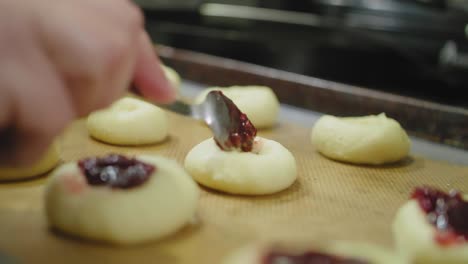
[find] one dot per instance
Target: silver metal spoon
(216, 111)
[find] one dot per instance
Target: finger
(126, 43)
(118, 59)
(98, 57)
(73, 52)
(118, 79)
(149, 77)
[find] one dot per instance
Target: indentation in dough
(257, 145)
(129, 121)
(129, 107)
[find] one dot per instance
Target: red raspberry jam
(241, 131)
(116, 171)
(447, 212)
(308, 257)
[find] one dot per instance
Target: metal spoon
(215, 111)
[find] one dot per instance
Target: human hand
(61, 59)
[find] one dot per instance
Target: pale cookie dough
(159, 207)
(259, 103)
(374, 139)
(129, 121)
(415, 238)
(172, 76)
(269, 168)
(50, 159)
(256, 253)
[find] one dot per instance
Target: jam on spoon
(239, 131)
(116, 171)
(447, 212)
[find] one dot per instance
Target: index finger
(149, 77)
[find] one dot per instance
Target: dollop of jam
(447, 212)
(308, 257)
(116, 171)
(241, 131)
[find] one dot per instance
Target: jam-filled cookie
(121, 200)
(323, 253)
(432, 227)
(244, 163)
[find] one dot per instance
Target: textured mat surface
(330, 200)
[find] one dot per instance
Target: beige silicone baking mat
(330, 200)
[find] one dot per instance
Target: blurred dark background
(417, 48)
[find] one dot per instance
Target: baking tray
(429, 120)
(329, 201)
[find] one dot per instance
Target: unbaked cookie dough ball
(129, 121)
(259, 103)
(172, 76)
(432, 227)
(50, 159)
(267, 169)
(121, 200)
(374, 139)
(337, 252)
